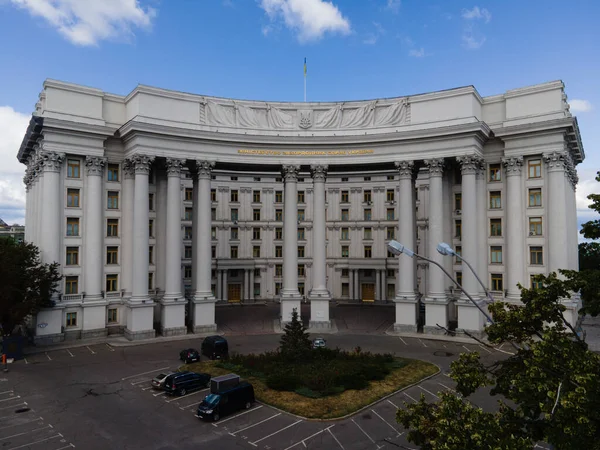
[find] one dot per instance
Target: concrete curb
(435, 337)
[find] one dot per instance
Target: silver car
(319, 343)
(158, 382)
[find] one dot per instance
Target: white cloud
(471, 42)
(372, 38)
(12, 190)
(393, 5)
(580, 106)
(310, 19)
(477, 13)
(417, 53)
(86, 22)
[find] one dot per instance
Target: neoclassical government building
(160, 205)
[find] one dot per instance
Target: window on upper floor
(535, 197)
(278, 196)
(345, 233)
(189, 194)
(72, 226)
(495, 200)
(496, 254)
(256, 233)
(112, 200)
(112, 172)
(496, 227)
(278, 233)
(495, 172)
(345, 197)
(534, 168)
(72, 198)
(233, 196)
(73, 168)
(389, 195)
(368, 233)
(300, 196)
(112, 227)
(535, 226)
(279, 215)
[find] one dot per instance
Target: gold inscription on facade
(306, 152)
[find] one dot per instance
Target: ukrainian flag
(304, 66)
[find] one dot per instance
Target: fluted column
(52, 213)
(290, 296)
(436, 302)
(482, 226)
(319, 296)
(515, 256)
(225, 286)
(406, 299)
(556, 223)
(377, 285)
(251, 287)
(204, 300)
(126, 227)
(219, 284)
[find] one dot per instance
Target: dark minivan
(215, 406)
(215, 347)
(183, 382)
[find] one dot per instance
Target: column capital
(51, 161)
(513, 165)
(174, 167)
(481, 170)
(128, 168)
(556, 161)
(205, 168)
(95, 165)
(142, 163)
(436, 166)
(469, 164)
(406, 169)
(319, 172)
(290, 172)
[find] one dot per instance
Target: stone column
(406, 299)
(350, 284)
(384, 284)
(219, 284)
(245, 295)
(94, 304)
(513, 201)
(356, 285)
(469, 317)
(290, 296)
(377, 285)
(172, 315)
(482, 227)
(319, 296)
(251, 287)
(126, 227)
(555, 202)
(436, 302)
(225, 286)
(204, 301)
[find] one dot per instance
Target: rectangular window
(301, 271)
(278, 251)
(458, 251)
(278, 234)
(367, 178)
(367, 198)
(112, 200)
(213, 195)
(112, 227)
(213, 252)
(497, 284)
(112, 282)
(390, 233)
(495, 200)
(277, 288)
(535, 168)
(213, 214)
(72, 226)
(151, 201)
(278, 270)
(189, 194)
(234, 214)
(73, 166)
(495, 172)
(256, 214)
(256, 196)
(345, 289)
(233, 196)
(112, 315)
(256, 251)
(390, 214)
(278, 215)
(368, 251)
(345, 215)
(495, 227)
(300, 214)
(151, 254)
(256, 178)
(233, 252)
(188, 214)
(344, 179)
(71, 319)
(458, 276)
(187, 233)
(536, 256)
(300, 196)
(233, 178)
(300, 251)
(345, 233)
(151, 228)
(345, 197)
(301, 288)
(71, 285)
(534, 283)
(458, 229)
(389, 195)
(345, 251)
(390, 273)
(112, 255)
(367, 214)
(458, 201)
(345, 273)
(535, 197)
(187, 252)
(73, 198)
(72, 256)
(496, 254)
(256, 233)
(278, 196)
(368, 233)
(535, 226)
(150, 281)
(234, 234)
(301, 234)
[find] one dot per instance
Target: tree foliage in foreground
(26, 285)
(295, 341)
(548, 390)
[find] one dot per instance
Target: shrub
(306, 392)
(283, 381)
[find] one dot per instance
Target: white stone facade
(160, 204)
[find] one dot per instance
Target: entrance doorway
(368, 292)
(234, 293)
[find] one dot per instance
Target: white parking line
(187, 406)
(109, 347)
(387, 423)
(68, 446)
(23, 423)
(26, 362)
(48, 356)
(159, 394)
(72, 355)
(485, 348)
(310, 437)
(142, 381)
(258, 423)
(14, 406)
(237, 415)
(26, 432)
(144, 373)
(6, 392)
(364, 432)
(424, 345)
(429, 392)
(336, 439)
(466, 348)
(415, 401)
(403, 341)
(36, 442)
(446, 387)
(273, 434)
(147, 387)
(10, 398)
(185, 396)
(91, 351)
(395, 406)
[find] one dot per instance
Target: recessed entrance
(234, 292)
(368, 292)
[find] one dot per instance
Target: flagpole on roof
(304, 79)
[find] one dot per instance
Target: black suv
(189, 355)
(183, 382)
(215, 347)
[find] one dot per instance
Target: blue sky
(356, 49)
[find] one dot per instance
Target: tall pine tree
(295, 341)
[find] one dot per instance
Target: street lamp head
(445, 249)
(397, 248)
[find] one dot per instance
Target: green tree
(591, 229)
(295, 341)
(549, 389)
(26, 285)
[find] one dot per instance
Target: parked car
(183, 382)
(215, 347)
(319, 343)
(158, 382)
(189, 355)
(215, 406)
